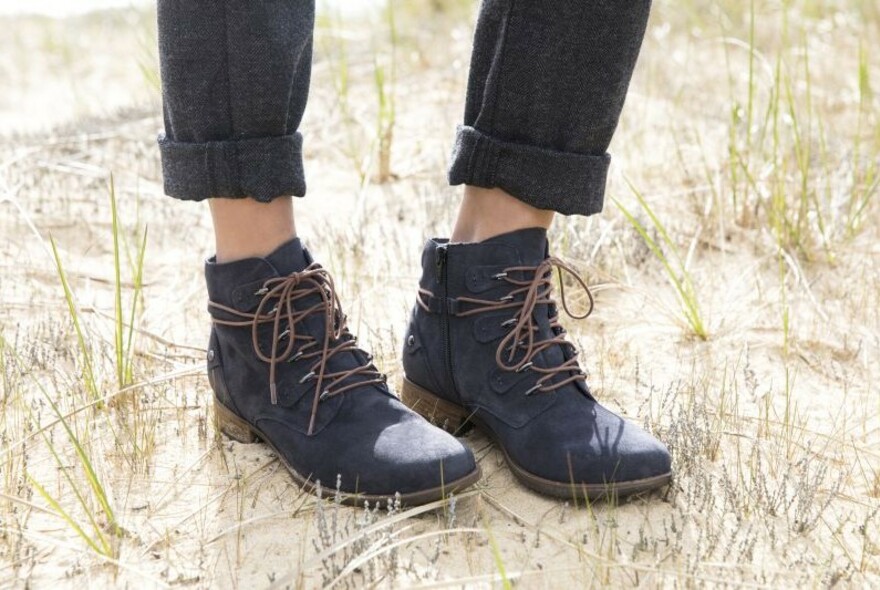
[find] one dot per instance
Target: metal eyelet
(525, 367)
(295, 357)
(506, 298)
(307, 377)
(510, 322)
(324, 395)
(499, 276)
(260, 292)
(210, 355)
(411, 340)
(284, 334)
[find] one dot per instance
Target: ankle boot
(484, 347)
(285, 370)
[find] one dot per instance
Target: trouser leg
(235, 79)
(547, 83)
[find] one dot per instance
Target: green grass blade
(91, 476)
(136, 296)
(88, 370)
(496, 557)
(117, 276)
(679, 278)
(64, 515)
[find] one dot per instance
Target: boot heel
(231, 425)
(439, 412)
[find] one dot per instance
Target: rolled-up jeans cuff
(565, 182)
(262, 168)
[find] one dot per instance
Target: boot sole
(238, 429)
(456, 419)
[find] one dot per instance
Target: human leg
(485, 345)
(547, 84)
(234, 222)
(235, 80)
(283, 366)
(488, 212)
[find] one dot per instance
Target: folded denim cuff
(263, 168)
(565, 182)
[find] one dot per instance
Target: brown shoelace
(282, 293)
(536, 291)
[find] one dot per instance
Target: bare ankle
(486, 213)
(245, 228)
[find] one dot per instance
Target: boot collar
(235, 284)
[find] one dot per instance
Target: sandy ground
(773, 419)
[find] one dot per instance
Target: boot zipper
(443, 278)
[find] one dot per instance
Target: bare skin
(486, 213)
(245, 228)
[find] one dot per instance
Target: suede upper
(365, 435)
(562, 435)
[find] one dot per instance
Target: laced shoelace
(282, 293)
(536, 291)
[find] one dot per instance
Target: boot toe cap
(639, 456)
(398, 452)
(616, 451)
(419, 456)
(599, 449)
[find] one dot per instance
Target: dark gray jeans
(547, 83)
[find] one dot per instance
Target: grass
(386, 80)
(101, 530)
(781, 162)
(96, 506)
(745, 191)
(88, 370)
(368, 129)
(676, 269)
(497, 558)
(91, 497)
(125, 332)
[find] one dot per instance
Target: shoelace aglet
(273, 393)
(525, 367)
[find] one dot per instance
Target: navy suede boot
(484, 346)
(286, 370)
